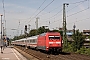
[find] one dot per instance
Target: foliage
(32, 32)
(78, 40)
(55, 30)
(84, 50)
(81, 50)
(42, 30)
(61, 32)
(89, 36)
(69, 48)
(18, 37)
(87, 51)
(15, 38)
(75, 46)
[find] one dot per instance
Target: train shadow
(65, 53)
(61, 53)
(55, 53)
(51, 53)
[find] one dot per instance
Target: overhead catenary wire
(45, 13)
(52, 10)
(68, 10)
(36, 11)
(77, 6)
(74, 7)
(38, 8)
(79, 20)
(77, 12)
(54, 15)
(42, 10)
(45, 7)
(78, 2)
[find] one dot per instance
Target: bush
(81, 51)
(87, 51)
(84, 50)
(69, 48)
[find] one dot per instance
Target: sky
(18, 13)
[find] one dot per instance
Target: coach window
(29, 41)
(33, 40)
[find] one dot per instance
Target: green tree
(15, 38)
(78, 40)
(89, 36)
(42, 30)
(32, 32)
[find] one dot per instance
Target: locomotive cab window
(57, 37)
(54, 37)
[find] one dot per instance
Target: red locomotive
(50, 41)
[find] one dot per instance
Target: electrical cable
(78, 2)
(70, 9)
(42, 9)
(36, 10)
(77, 12)
(76, 6)
(54, 15)
(79, 20)
(39, 7)
(45, 7)
(51, 10)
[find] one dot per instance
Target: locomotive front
(54, 42)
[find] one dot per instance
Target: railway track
(43, 56)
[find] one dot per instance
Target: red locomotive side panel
(41, 43)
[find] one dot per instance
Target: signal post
(25, 34)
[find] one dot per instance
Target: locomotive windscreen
(54, 37)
